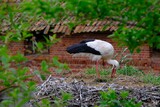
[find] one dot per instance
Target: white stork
(95, 49)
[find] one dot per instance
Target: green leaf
(66, 96)
(39, 46)
(55, 61)
(6, 103)
(124, 94)
(23, 102)
(18, 58)
(45, 103)
(138, 50)
(44, 66)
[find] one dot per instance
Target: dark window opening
(30, 44)
(155, 52)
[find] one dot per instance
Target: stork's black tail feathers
(82, 48)
(76, 48)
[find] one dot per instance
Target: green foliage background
(145, 15)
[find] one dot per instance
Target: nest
(88, 96)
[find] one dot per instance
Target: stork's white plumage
(95, 49)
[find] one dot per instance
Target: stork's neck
(113, 62)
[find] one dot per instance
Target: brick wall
(141, 60)
(16, 47)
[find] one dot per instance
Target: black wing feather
(82, 48)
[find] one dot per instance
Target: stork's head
(115, 63)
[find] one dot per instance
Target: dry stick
(80, 96)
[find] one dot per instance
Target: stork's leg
(98, 74)
(103, 63)
(113, 72)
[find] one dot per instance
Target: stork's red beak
(113, 74)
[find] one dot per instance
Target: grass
(92, 71)
(103, 73)
(130, 71)
(126, 70)
(148, 78)
(151, 78)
